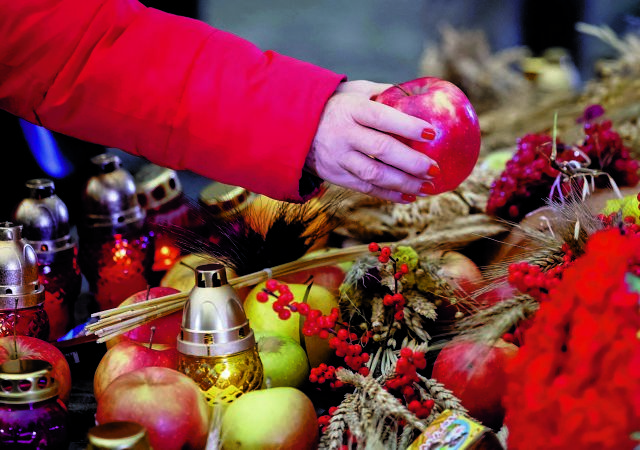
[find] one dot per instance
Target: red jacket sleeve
(173, 90)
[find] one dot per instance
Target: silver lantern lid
(44, 218)
(214, 322)
(19, 284)
(109, 197)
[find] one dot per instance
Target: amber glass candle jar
(31, 415)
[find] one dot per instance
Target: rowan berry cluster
(406, 375)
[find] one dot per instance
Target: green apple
(262, 317)
(278, 418)
(496, 161)
(285, 362)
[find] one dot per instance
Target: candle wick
(153, 331)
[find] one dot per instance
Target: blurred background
(378, 40)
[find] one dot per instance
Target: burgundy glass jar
(116, 248)
(45, 226)
(22, 295)
(31, 415)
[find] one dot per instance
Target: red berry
(373, 247)
(262, 297)
(272, 285)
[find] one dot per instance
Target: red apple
(278, 418)
(33, 348)
(456, 145)
(169, 404)
(167, 328)
(495, 292)
(127, 356)
(475, 373)
(330, 277)
(462, 274)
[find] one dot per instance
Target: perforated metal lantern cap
(118, 435)
(109, 197)
(24, 381)
(214, 322)
(19, 285)
(44, 218)
(156, 186)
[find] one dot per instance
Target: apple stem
(153, 331)
(148, 291)
(405, 92)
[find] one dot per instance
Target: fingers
(390, 120)
(394, 153)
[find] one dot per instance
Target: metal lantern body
(121, 435)
(159, 192)
(31, 416)
(115, 247)
(21, 293)
(216, 346)
(45, 226)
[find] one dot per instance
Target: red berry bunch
(325, 374)
(323, 421)
(532, 280)
(527, 178)
(398, 302)
(385, 252)
(608, 153)
(344, 343)
(628, 224)
(406, 374)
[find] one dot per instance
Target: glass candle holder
(216, 347)
(22, 297)
(116, 248)
(31, 415)
(45, 226)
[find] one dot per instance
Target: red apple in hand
(33, 348)
(456, 144)
(127, 356)
(475, 373)
(166, 327)
(169, 404)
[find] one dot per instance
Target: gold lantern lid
(19, 284)
(118, 435)
(24, 381)
(156, 186)
(222, 199)
(214, 322)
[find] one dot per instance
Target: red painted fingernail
(426, 188)
(429, 134)
(434, 170)
(408, 197)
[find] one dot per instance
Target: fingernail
(408, 198)
(434, 170)
(427, 188)
(429, 134)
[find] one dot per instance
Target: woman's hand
(352, 148)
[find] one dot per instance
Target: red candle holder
(22, 295)
(45, 226)
(116, 248)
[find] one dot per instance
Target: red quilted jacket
(170, 89)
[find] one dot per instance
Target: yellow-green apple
(284, 361)
(456, 142)
(476, 373)
(169, 404)
(262, 317)
(127, 356)
(166, 328)
(26, 347)
(280, 418)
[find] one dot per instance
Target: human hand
(352, 147)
